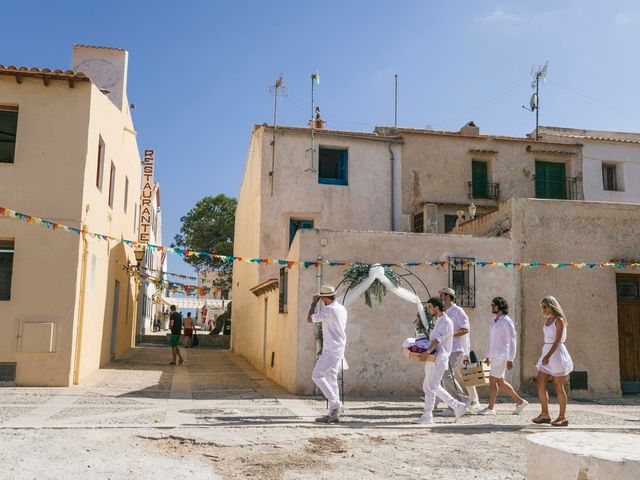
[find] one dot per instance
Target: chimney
(470, 130)
(317, 123)
(107, 69)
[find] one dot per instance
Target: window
(462, 278)
(609, 177)
(8, 131)
(297, 224)
(332, 166)
(282, 289)
(6, 269)
(112, 184)
(126, 193)
(100, 167)
(418, 223)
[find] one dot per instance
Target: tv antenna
(315, 78)
(276, 90)
(534, 102)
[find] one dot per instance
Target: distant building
(68, 153)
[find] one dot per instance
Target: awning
(185, 302)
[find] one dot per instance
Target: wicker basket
(476, 375)
(409, 355)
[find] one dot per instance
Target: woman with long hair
(555, 361)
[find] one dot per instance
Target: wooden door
(628, 288)
(479, 179)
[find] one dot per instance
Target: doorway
(628, 293)
(114, 319)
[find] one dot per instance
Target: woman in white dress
(555, 361)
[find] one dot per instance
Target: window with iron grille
(282, 289)
(462, 278)
(418, 223)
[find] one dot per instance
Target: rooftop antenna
(315, 78)
(534, 102)
(276, 90)
(395, 117)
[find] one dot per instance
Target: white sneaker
(521, 407)
(474, 407)
(462, 409)
(446, 413)
(487, 411)
(424, 420)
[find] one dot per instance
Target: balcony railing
(490, 191)
(557, 189)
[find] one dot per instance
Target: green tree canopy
(208, 227)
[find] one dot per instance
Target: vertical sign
(146, 198)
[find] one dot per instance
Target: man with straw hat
(333, 317)
(459, 351)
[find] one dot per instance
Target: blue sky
(199, 71)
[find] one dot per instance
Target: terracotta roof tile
(44, 73)
(99, 47)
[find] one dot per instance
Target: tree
(208, 227)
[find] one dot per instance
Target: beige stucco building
(67, 305)
(361, 205)
(445, 172)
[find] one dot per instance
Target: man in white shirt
(333, 317)
(459, 351)
(502, 352)
(441, 342)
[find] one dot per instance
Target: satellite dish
(533, 103)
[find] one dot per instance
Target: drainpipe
(83, 275)
(318, 286)
(393, 161)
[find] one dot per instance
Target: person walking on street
(333, 317)
(460, 350)
(175, 325)
(188, 331)
(555, 361)
(441, 344)
(502, 352)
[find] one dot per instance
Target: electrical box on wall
(37, 338)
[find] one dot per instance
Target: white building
(611, 162)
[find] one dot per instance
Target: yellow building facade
(71, 156)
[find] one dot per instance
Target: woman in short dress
(555, 361)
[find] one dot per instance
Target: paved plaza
(216, 417)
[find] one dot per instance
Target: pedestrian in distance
(554, 363)
(502, 353)
(333, 317)
(188, 331)
(452, 379)
(175, 325)
(441, 345)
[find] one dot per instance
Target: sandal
(542, 418)
(560, 422)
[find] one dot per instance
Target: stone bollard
(576, 455)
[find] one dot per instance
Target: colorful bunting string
(620, 264)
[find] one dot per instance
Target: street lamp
(472, 210)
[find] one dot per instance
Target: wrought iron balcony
(490, 191)
(566, 189)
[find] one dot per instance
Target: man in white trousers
(452, 379)
(502, 353)
(441, 343)
(333, 317)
